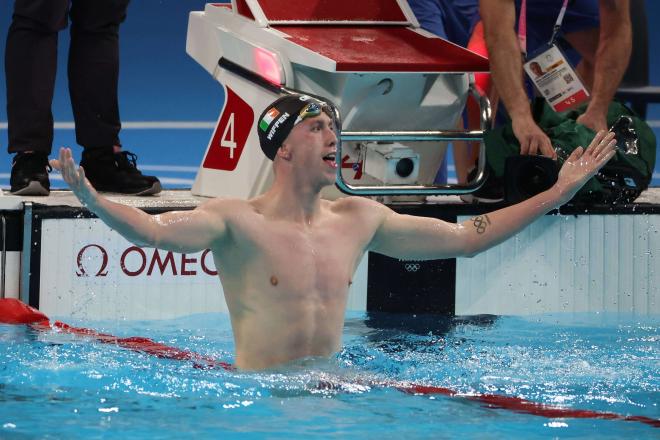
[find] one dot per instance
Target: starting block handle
(418, 136)
(425, 135)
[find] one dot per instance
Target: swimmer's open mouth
(330, 159)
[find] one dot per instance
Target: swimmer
(287, 257)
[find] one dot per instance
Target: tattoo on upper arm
(481, 222)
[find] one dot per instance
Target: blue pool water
(55, 385)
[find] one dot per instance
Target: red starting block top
(331, 10)
(362, 35)
(384, 49)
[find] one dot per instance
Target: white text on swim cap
(277, 123)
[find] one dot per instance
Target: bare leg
(586, 44)
(461, 160)
(466, 154)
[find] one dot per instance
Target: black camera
(526, 176)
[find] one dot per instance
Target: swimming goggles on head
(310, 110)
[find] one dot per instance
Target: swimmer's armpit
(481, 223)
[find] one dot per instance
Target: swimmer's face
(312, 146)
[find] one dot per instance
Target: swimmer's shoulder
(358, 206)
(225, 206)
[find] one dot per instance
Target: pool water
(58, 385)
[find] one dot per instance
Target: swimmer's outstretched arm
(422, 238)
(179, 231)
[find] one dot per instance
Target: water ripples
(589, 364)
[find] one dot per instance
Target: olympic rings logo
(412, 267)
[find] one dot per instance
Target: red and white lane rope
(13, 311)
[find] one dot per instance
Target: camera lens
(405, 167)
(533, 180)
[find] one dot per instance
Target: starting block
(399, 89)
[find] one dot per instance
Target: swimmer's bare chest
(286, 285)
(280, 262)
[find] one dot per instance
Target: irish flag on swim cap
(278, 119)
(268, 118)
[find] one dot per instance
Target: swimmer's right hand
(583, 164)
(74, 177)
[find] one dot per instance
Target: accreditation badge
(556, 80)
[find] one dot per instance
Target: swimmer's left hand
(584, 164)
(74, 177)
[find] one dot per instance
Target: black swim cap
(279, 118)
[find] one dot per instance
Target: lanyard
(560, 18)
(522, 25)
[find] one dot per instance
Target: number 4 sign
(230, 134)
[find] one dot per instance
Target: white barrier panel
(587, 263)
(89, 271)
(11, 274)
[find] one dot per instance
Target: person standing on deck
(93, 71)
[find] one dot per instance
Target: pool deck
(647, 202)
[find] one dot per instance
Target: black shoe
(29, 174)
(117, 172)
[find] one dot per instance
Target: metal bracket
(439, 135)
(27, 253)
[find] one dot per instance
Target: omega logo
(81, 268)
(136, 261)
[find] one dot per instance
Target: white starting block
(391, 81)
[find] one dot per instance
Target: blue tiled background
(160, 83)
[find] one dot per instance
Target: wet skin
(286, 258)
